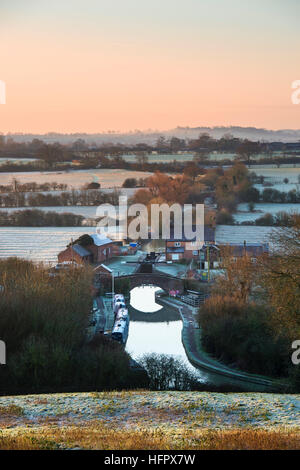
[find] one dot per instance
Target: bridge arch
(163, 281)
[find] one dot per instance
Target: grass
(26, 443)
(97, 436)
(138, 420)
(11, 410)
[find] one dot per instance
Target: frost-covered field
(37, 244)
(239, 234)
(43, 243)
(260, 209)
(107, 178)
(16, 160)
(282, 187)
(276, 176)
(181, 157)
(164, 410)
(150, 420)
(271, 171)
(166, 158)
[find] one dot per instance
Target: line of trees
(228, 143)
(38, 218)
(56, 155)
(82, 197)
(32, 186)
(273, 195)
(280, 219)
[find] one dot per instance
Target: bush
(239, 334)
(273, 195)
(224, 218)
(251, 206)
(130, 183)
(83, 240)
(266, 220)
(168, 373)
(92, 185)
(250, 195)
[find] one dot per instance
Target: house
(183, 248)
(211, 254)
(237, 250)
(102, 276)
(88, 249)
(102, 248)
(103, 270)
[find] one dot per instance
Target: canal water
(155, 329)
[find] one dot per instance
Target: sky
(99, 65)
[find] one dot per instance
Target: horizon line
(150, 131)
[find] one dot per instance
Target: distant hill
(252, 133)
(150, 136)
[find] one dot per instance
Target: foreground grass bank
(150, 420)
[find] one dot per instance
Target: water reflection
(160, 332)
(157, 332)
(143, 299)
(160, 338)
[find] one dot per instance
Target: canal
(155, 329)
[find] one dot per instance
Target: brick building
(96, 249)
(181, 248)
(211, 254)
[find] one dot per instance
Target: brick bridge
(163, 281)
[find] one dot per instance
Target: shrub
(130, 183)
(266, 219)
(168, 373)
(250, 195)
(251, 206)
(224, 218)
(240, 334)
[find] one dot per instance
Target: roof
(106, 268)
(172, 249)
(209, 235)
(80, 250)
(100, 240)
(210, 246)
(254, 249)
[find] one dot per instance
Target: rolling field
(150, 420)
